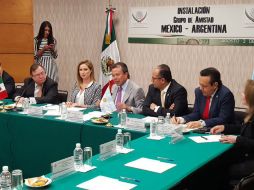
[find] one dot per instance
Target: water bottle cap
(124, 110)
(5, 168)
(78, 145)
(119, 131)
(168, 114)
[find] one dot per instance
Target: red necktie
(206, 110)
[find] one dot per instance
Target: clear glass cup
(127, 140)
(25, 105)
(160, 126)
(17, 179)
(153, 129)
(63, 110)
(88, 154)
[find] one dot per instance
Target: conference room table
(186, 154)
(32, 143)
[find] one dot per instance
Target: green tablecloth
(31, 143)
(187, 155)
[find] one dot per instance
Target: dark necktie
(206, 110)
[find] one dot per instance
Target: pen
(131, 179)
(204, 137)
(163, 158)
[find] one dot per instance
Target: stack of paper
(105, 183)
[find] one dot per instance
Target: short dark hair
(214, 75)
(165, 72)
(34, 67)
(123, 67)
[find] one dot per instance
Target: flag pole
(109, 8)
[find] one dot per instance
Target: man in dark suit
(39, 88)
(214, 102)
(8, 82)
(126, 94)
(165, 95)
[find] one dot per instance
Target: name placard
(35, 111)
(107, 150)
(135, 124)
(62, 167)
(74, 116)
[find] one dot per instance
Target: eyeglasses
(156, 78)
(39, 74)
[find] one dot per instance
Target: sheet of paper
(52, 113)
(150, 165)
(149, 119)
(85, 168)
(75, 109)
(206, 138)
(125, 150)
(105, 183)
(157, 138)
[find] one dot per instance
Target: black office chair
(240, 114)
(62, 96)
(246, 183)
(18, 88)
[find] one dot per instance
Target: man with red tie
(214, 102)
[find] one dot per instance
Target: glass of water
(88, 154)
(17, 180)
(127, 140)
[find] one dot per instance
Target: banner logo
(139, 16)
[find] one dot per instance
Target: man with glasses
(165, 95)
(214, 102)
(38, 88)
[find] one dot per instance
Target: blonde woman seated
(86, 92)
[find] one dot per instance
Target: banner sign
(193, 25)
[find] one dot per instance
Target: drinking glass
(63, 110)
(127, 140)
(88, 156)
(153, 128)
(17, 180)
(160, 126)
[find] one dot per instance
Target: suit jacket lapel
(127, 92)
(167, 96)
(213, 104)
(114, 92)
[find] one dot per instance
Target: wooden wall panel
(16, 11)
(17, 65)
(20, 38)
(16, 37)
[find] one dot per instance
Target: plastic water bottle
(168, 118)
(119, 140)
(78, 157)
(123, 118)
(5, 179)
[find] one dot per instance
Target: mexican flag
(110, 53)
(3, 92)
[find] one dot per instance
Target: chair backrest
(62, 96)
(240, 114)
(246, 183)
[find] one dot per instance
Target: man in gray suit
(125, 93)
